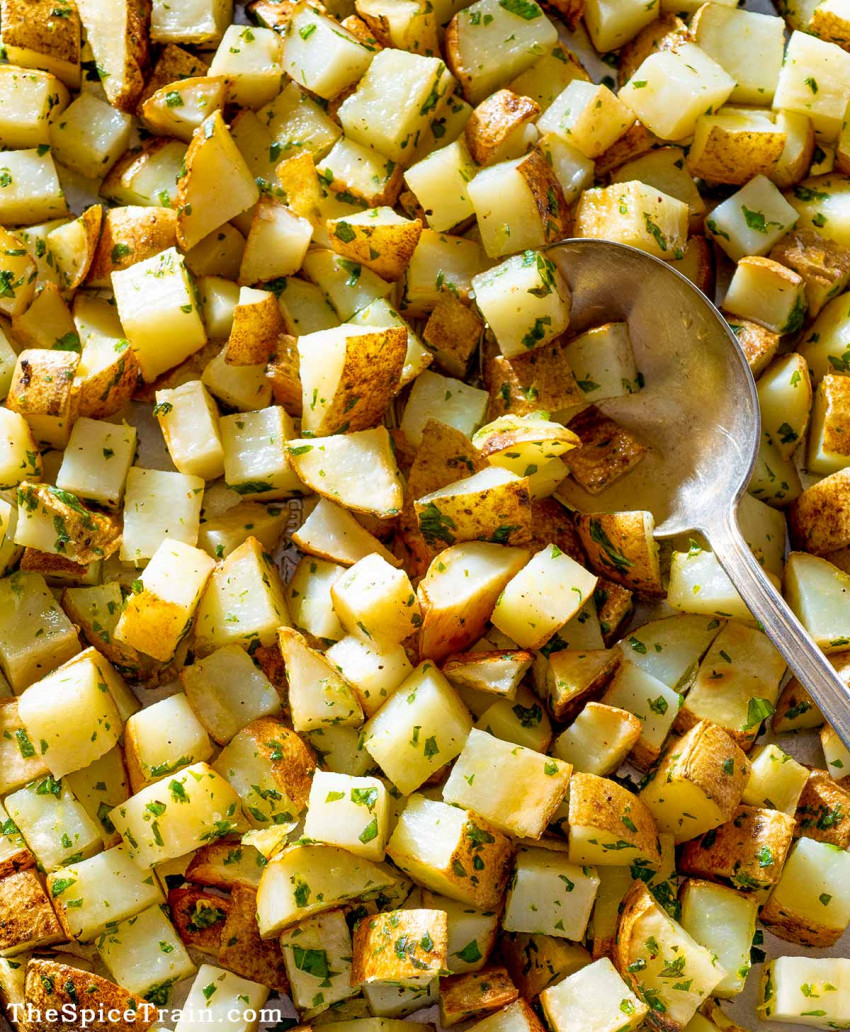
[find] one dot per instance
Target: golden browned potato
(242, 950)
(494, 121)
(734, 147)
(27, 918)
(609, 825)
(223, 863)
(54, 990)
(199, 917)
(174, 63)
(274, 14)
(34, 37)
(607, 452)
(377, 238)
(43, 392)
(823, 264)
(82, 535)
(537, 961)
(129, 235)
(823, 810)
(74, 246)
(300, 184)
(758, 344)
(474, 994)
(665, 33)
(614, 607)
(377, 957)
(749, 850)
(577, 676)
(819, 520)
(621, 547)
(119, 39)
(257, 326)
(283, 373)
(634, 142)
(542, 379)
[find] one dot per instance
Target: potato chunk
(418, 939)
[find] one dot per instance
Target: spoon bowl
(698, 415)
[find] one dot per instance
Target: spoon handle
(812, 668)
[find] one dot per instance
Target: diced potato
(307, 879)
(331, 532)
(20, 458)
(776, 780)
(471, 932)
(501, 295)
(638, 692)
(767, 293)
(159, 312)
(440, 264)
(377, 601)
(608, 826)
(90, 136)
(99, 787)
(159, 505)
(594, 999)
(349, 812)
(518, 204)
(699, 584)
(752, 220)
(249, 59)
(810, 82)
(320, 55)
(392, 100)
(439, 183)
(318, 695)
(297, 123)
(733, 146)
(56, 828)
(450, 401)
(96, 461)
(373, 672)
(93, 894)
(216, 186)
(542, 597)
(29, 921)
(699, 783)
(793, 988)
(737, 683)
(317, 953)
(424, 931)
(785, 400)
(357, 470)
(145, 955)
(648, 942)
(635, 214)
(27, 99)
(827, 452)
(810, 904)
(421, 727)
(55, 521)
(464, 580)
(443, 847)
(587, 117)
(148, 177)
(193, 22)
(35, 635)
(276, 244)
(33, 192)
(27, 44)
(310, 602)
(488, 45)
(158, 617)
(178, 108)
(222, 999)
(747, 45)
(550, 895)
(724, 922)
(151, 753)
(549, 75)
(818, 593)
(700, 84)
(72, 715)
(188, 418)
(254, 453)
(44, 392)
(749, 850)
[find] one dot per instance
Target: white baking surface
(805, 746)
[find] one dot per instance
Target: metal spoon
(699, 414)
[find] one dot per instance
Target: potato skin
(823, 811)
(598, 802)
(199, 917)
(666, 33)
(50, 987)
(633, 561)
(819, 520)
(242, 950)
(128, 235)
(787, 925)
(400, 946)
(474, 993)
(737, 849)
(27, 918)
(494, 120)
(608, 451)
(758, 344)
(212, 865)
(292, 760)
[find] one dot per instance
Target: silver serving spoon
(699, 414)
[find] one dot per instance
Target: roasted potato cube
(196, 22)
(495, 130)
(776, 780)
(635, 214)
(825, 63)
(827, 451)
(32, 193)
(90, 136)
(54, 988)
(52, 519)
(734, 146)
(439, 184)
(519, 204)
(28, 44)
(549, 894)
(320, 55)
(378, 238)
(27, 918)
(648, 942)
(621, 547)
(474, 994)
(308, 878)
(224, 863)
(472, 932)
(752, 220)
(152, 753)
(823, 264)
(724, 922)
(444, 847)
(223, 1005)
(119, 42)
(145, 955)
(608, 451)
(608, 826)
(794, 987)
(593, 999)
(823, 810)
(15, 855)
(748, 850)
(809, 904)
(480, 32)
(418, 938)
(529, 382)
(319, 695)
(758, 344)
(318, 957)
(44, 393)
(586, 116)
(765, 292)
(575, 676)
(35, 635)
